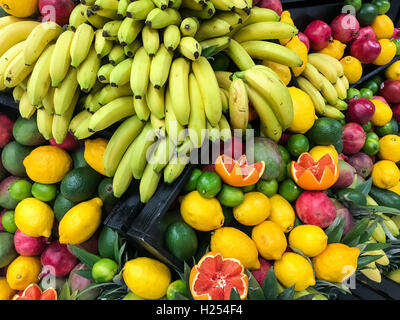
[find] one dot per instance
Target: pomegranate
(345, 27)
(261, 273)
(303, 38)
(285, 137)
(353, 138)
(319, 33)
(346, 175)
(28, 246)
(78, 283)
(366, 50)
(396, 33)
(275, 5)
(70, 143)
(56, 10)
(6, 128)
(390, 90)
(362, 163)
(56, 259)
(396, 112)
(360, 111)
(315, 207)
(344, 213)
(366, 32)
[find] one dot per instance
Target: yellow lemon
(336, 263)
(270, 240)
(20, 8)
(293, 269)
(352, 68)
(300, 48)
(334, 49)
(383, 113)
(94, 152)
(385, 174)
(47, 164)
(146, 277)
(282, 212)
(388, 52)
(393, 72)
(310, 239)
(80, 222)
(23, 271)
(286, 17)
(389, 148)
(383, 27)
(6, 293)
(396, 188)
(319, 151)
(254, 209)
(233, 243)
(34, 218)
(303, 111)
(203, 214)
(281, 70)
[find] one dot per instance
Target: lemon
(146, 277)
(310, 239)
(336, 263)
(282, 212)
(319, 151)
(293, 269)
(34, 218)
(23, 271)
(94, 152)
(80, 222)
(270, 240)
(393, 72)
(383, 27)
(281, 70)
(47, 164)
(387, 54)
(334, 49)
(352, 68)
(254, 209)
(287, 18)
(6, 293)
(303, 110)
(389, 148)
(396, 188)
(203, 214)
(382, 115)
(298, 46)
(233, 243)
(385, 174)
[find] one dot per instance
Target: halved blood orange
(214, 277)
(33, 292)
(238, 173)
(314, 175)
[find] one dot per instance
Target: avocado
(385, 198)
(106, 242)
(5, 199)
(80, 184)
(13, 156)
(7, 249)
(3, 171)
(105, 193)
(181, 241)
(61, 206)
(25, 132)
(79, 159)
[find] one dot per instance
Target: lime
(283, 174)
(397, 43)
(377, 79)
(384, 130)
(372, 85)
(372, 135)
(297, 144)
(326, 131)
(104, 270)
(382, 5)
(178, 286)
(250, 188)
(284, 153)
(209, 184)
(371, 147)
(395, 126)
(230, 196)
(366, 93)
(192, 182)
(367, 14)
(181, 241)
(289, 190)
(44, 192)
(367, 126)
(8, 222)
(353, 93)
(355, 3)
(20, 190)
(267, 187)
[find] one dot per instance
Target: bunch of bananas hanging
(324, 81)
(140, 64)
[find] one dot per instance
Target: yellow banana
(197, 119)
(78, 119)
(129, 30)
(312, 74)
(17, 93)
(78, 16)
(116, 55)
(151, 40)
(141, 108)
(62, 94)
(140, 73)
(323, 66)
(160, 19)
(15, 33)
(212, 28)
(148, 183)
(314, 94)
(178, 161)
(258, 14)
(190, 48)
(171, 37)
(160, 67)
(139, 10)
(130, 49)
(189, 26)
(219, 43)
(225, 131)
(16, 71)
(174, 129)
(155, 101)
(238, 105)
(44, 123)
(266, 31)
(340, 88)
(329, 92)
(103, 75)
(239, 55)
(7, 58)
(26, 110)
(109, 93)
(81, 44)
(61, 58)
(102, 45)
(7, 20)
(111, 28)
(123, 175)
(121, 73)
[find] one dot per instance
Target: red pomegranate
(319, 33)
(56, 10)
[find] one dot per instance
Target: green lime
(366, 93)
(220, 62)
(384, 130)
(8, 222)
(209, 184)
(178, 286)
(106, 242)
(269, 188)
(353, 93)
(372, 135)
(355, 3)
(367, 14)
(371, 147)
(397, 43)
(382, 5)
(44, 192)
(104, 270)
(289, 190)
(192, 182)
(372, 85)
(325, 131)
(395, 126)
(61, 206)
(284, 153)
(20, 190)
(367, 126)
(250, 188)
(228, 216)
(230, 196)
(181, 241)
(297, 144)
(377, 79)
(288, 170)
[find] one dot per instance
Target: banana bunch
(324, 81)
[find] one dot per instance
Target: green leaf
(335, 230)
(65, 293)
(255, 292)
(86, 273)
(120, 253)
(363, 261)
(357, 231)
(368, 233)
(116, 247)
(307, 297)
(234, 294)
(387, 231)
(209, 52)
(375, 246)
(383, 209)
(89, 259)
(270, 285)
(365, 187)
(287, 294)
(180, 296)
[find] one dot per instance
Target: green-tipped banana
(258, 14)
(224, 79)
(148, 183)
(140, 73)
(155, 101)
(44, 123)
(87, 71)
(17, 93)
(121, 73)
(96, 20)
(116, 55)
(61, 58)
(206, 12)
(103, 75)
(61, 123)
(160, 67)
(160, 19)
(332, 112)
(109, 93)
(129, 30)
(139, 10)
(197, 119)
(78, 119)
(320, 62)
(106, 4)
(82, 130)
(315, 95)
(123, 7)
(81, 44)
(341, 105)
(218, 44)
(238, 105)
(62, 94)
(172, 37)
(232, 18)
(78, 16)
(190, 48)
(239, 55)
(151, 40)
(161, 4)
(102, 45)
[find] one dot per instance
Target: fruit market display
(115, 93)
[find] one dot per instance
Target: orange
(388, 52)
(383, 27)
